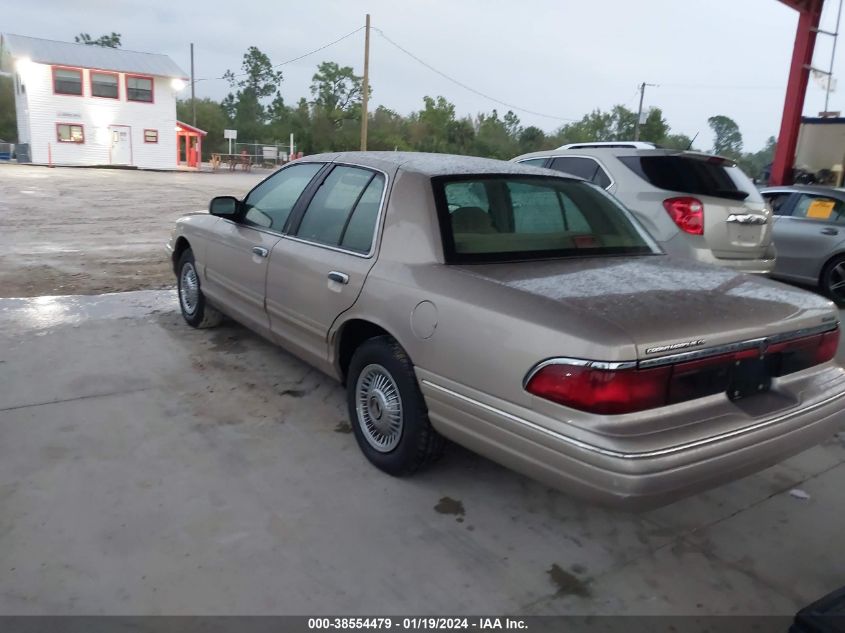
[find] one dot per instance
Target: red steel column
(809, 15)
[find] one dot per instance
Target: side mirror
(224, 206)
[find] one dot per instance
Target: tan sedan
(521, 313)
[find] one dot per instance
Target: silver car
(809, 232)
(697, 206)
(521, 313)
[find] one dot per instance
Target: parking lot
(149, 468)
(59, 228)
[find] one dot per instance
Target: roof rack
(610, 144)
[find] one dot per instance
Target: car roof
(429, 164)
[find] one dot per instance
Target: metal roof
(89, 56)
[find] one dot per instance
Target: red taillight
(687, 213)
(827, 348)
(615, 391)
(601, 391)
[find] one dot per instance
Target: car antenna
(689, 147)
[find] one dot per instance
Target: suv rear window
(710, 176)
(490, 218)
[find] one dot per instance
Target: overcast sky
(557, 57)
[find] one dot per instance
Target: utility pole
(193, 99)
(366, 95)
(640, 110)
(832, 58)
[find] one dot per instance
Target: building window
(104, 85)
(139, 88)
(67, 81)
(151, 136)
(69, 133)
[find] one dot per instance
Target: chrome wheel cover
(836, 284)
(189, 289)
(379, 408)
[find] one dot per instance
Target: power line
(466, 87)
(294, 59)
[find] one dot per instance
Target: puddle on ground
(39, 313)
(447, 505)
(567, 584)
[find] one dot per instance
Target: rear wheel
(833, 280)
(387, 410)
(195, 309)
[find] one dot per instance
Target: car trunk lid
(664, 305)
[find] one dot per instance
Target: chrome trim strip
(578, 362)
(638, 455)
(736, 347)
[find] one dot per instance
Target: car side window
(270, 203)
(820, 208)
(361, 226)
(332, 208)
(585, 168)
(778, 201)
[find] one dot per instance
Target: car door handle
(260, 251)
(830, 232)
(341, 278)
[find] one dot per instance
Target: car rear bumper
(633, 477)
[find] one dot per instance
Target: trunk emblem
(674, 346)
(746, 218)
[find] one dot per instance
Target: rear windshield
(711, 176)
(507, 218)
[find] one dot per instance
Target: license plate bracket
(749, 377)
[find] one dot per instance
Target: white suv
(696, 205)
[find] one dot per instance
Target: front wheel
(833, 280)
(195, 309)
(387, 410)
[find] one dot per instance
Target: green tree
(8, 121)
(257, 80)
(210, 117)
(337, 92)
(387, 130)
(493, 136)
(532, 139)
(727, 139)
(676, 141)
(755, 163)
(108, 41)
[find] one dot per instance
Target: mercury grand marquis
(521, 313)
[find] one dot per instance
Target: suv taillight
(687, 213)
(615, 391)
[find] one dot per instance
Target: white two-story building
(78, 104)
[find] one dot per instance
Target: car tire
(832, 274)
(195, 309)
(387, 411)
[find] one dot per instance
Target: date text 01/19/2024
(417, 624)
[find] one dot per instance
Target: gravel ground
(90, 231)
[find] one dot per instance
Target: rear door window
(343, 211)
(585, 168)
(819, 208)
(704, 176)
